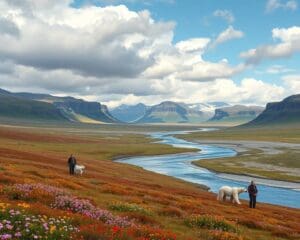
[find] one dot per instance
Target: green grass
(90, 128)
(15, 107)
(126, 207)
(210, 222)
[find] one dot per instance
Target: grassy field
(113, 200)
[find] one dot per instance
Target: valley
(159, 204)
(149, 120)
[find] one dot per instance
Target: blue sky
(182, 50)
(195, 18)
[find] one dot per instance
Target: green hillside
(67, 108)
(15, 107)
(285, 112)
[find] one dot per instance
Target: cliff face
(237, 113)
(92, 110)
(172, 112)
(15, 107)
(69, 108)
(286, 111)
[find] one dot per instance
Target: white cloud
(115, 55)
(91, 41)
(224, 14)
(249, 91)
(204, 71)
(228, 34)
(273, 5)
(278, 69)
(100, 42)
(193, 45)
(289, 44)
(185, 61)
(293, 83)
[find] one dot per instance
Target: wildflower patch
(19, 224)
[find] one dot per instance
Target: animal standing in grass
(79, 169)
(232, 192)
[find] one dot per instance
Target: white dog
(79, 169)
(232, 192)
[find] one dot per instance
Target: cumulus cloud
(102, 42)
(193, 45)
(204, 71)
(115, 55)
(228, 34)
(66, 82)
(293, 83)
(248, 91)
(289, 44)
(224, 14)
(92, 41)
(273, 5)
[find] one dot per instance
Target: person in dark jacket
(252, 190)
(72, 164)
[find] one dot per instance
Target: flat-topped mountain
(237, 114)
(165, 112)
(15, 107)
(284, 112)
(72, 109)
(172, 112)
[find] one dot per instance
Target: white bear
(233, 192)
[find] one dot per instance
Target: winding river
(180, 166)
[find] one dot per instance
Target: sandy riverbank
(266, 148)
(245, 145)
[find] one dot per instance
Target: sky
(130, 51)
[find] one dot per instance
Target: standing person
(252, 190)
(72, 164)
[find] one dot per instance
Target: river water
(180, 166)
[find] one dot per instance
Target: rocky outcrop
(284, 112)
(236, 114)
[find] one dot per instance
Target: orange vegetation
(155, 206)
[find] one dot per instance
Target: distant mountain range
(48, 107)
(172, 112)
(167, 112)
(209, 107)
(278, 113)
(129, 113)
(237, 114)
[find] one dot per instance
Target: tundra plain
(131, 203)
